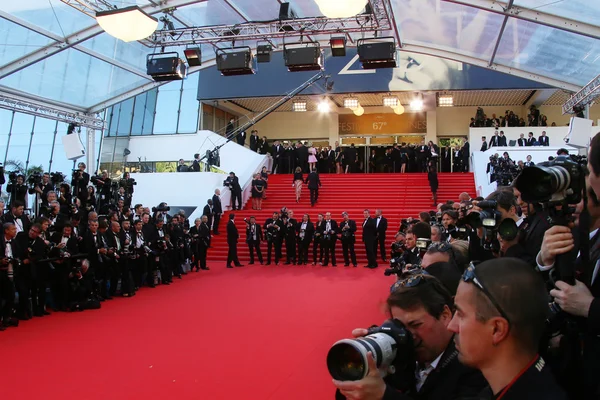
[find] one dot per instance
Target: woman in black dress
(258, 186)
(433, 181)
(264, 175)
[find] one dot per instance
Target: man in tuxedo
(302, 156)
(230, 128)
(236, 191)
(277, 152)
(531, 140)
(204, 242)
(495, 140)
(329, 239)
(209, 212)
(484, 145)
(314, 183)
(254, 140)
(438, 371)
(347, 231)
(254, 236)
(273, 229)
(30, 249)
(217, 211)
(350, 157)
(369, 237)
(466, 153)
(422, 155)
(544, 140)
(381, 225)
(522, 141)
(8, 251)
(232, 239)
(15, 216)
(529, 163)
(330, 160)
(502, 140)
(196, 164)
(79, 182)
(241, 138)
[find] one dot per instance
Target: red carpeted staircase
(397, 195)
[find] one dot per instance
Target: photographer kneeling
(424, 306)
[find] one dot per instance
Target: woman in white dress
(312, 158)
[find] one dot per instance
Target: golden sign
(373, 124)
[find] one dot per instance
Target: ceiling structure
(55, 53)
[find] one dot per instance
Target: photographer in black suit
(233, 183)
(369, 237)
(347, 231)
(8, 252)
(79, 182)
(232, 239)
(254, 236)
(425, 308)
(273, 228)
(305, 230)
(329, 239)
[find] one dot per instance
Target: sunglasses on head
(471, 277)
(412, 281)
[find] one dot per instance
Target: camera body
(56, 178)
(161, 208)
(34, 179)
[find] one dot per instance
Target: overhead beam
(583, 97)
(77, 38)
(501, 33)
(538, 17)
(450, 55)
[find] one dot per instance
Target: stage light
(416, 104)
(390, 101)
(263, 53)
(377, 52)
(303, 56)
(127, 24)
(324, 106)
(445, 101)
(399, 109)
(163, 67)
(338, 46)
(235, 61)
(299, 106)
(351, 102)
(341, 9)
(193, 55)
(359, 111)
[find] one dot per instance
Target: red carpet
(398, 195)
(249, 333)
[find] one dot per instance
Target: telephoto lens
(347, 358)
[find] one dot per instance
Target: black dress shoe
(239, 265)
(229, 266)
(206, 268)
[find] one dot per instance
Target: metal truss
(301, 27)
(585, 96)
(90, 121)
(89, 7)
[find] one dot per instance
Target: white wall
(555, 134)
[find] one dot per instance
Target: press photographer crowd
(81, 244)
(494, 298)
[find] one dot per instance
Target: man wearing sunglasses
(501, 309)
(424, 306)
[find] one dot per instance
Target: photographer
(127, 183)
(420, 230)
(594, 164)
(329, 239)
(305, 230)
(424, 306)
(8, 264)
(289, 235)
(254, 237)
(233, 183)
(42, 188)
(348, 230)
(80, 180)
(398, 246)
(17, 188)
(274, 230)
(31, 294)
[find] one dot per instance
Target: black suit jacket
(195, 166)
(450, 380)
(522, 142)
(530, 141)
(9, 217)
(254, 140)
(241, 138)
(249, 236)
(302, 154)
(208, 212)
(494, 141)
(382, 227)
(217, 208)
(369, 232)
(484, 146)
(466, 150)
(232, 233)
(308, 232)
(313, 180)
(501, 141)
(544, 141)
(351, 223)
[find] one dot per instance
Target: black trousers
(25, 287)
(314, 196)
(232, 255)
(371, 254)
(7, 296)
(303, 247)
(202, 252)
(290, 249)
(252, 246)
(329, 247)
(216, 220)
(236, 195)
(127, 284)
(317, 244)
(380, 242)
(348, 247)
(277, 243)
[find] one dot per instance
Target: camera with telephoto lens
(458, 232)
(57, 178)
(34, 179)
(400, 268)
(391, 345)
(161, 208)
(398, 247)
(488, 219)
(12, 177)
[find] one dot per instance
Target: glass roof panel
(549, 52)
(75, 78)
(579, 10)
(16, 41)
(51, 15)
(450, 26)
(258, 10)
(213, 12)
(132, 53)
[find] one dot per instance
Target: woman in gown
(298, 181)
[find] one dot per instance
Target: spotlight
(341, 9)
(299, 106)
(263, 53)
(445, 100)
(390, 101)
(399, 109)
(193, 55)
(164, 67)
(235, 61)
(303, 57)
(324, 106)
(416, 105)
(351, 102)
(377, 52)
(359, 111)
(338, 46)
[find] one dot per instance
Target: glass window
(42, 13)
(5, 122)
(167, 106)
(188, 116)
(59, 158)
(207, 117)
(125, 116)
(149, 112)
(578, 10)
(41, 143)
(16, 41)
(19, 141)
